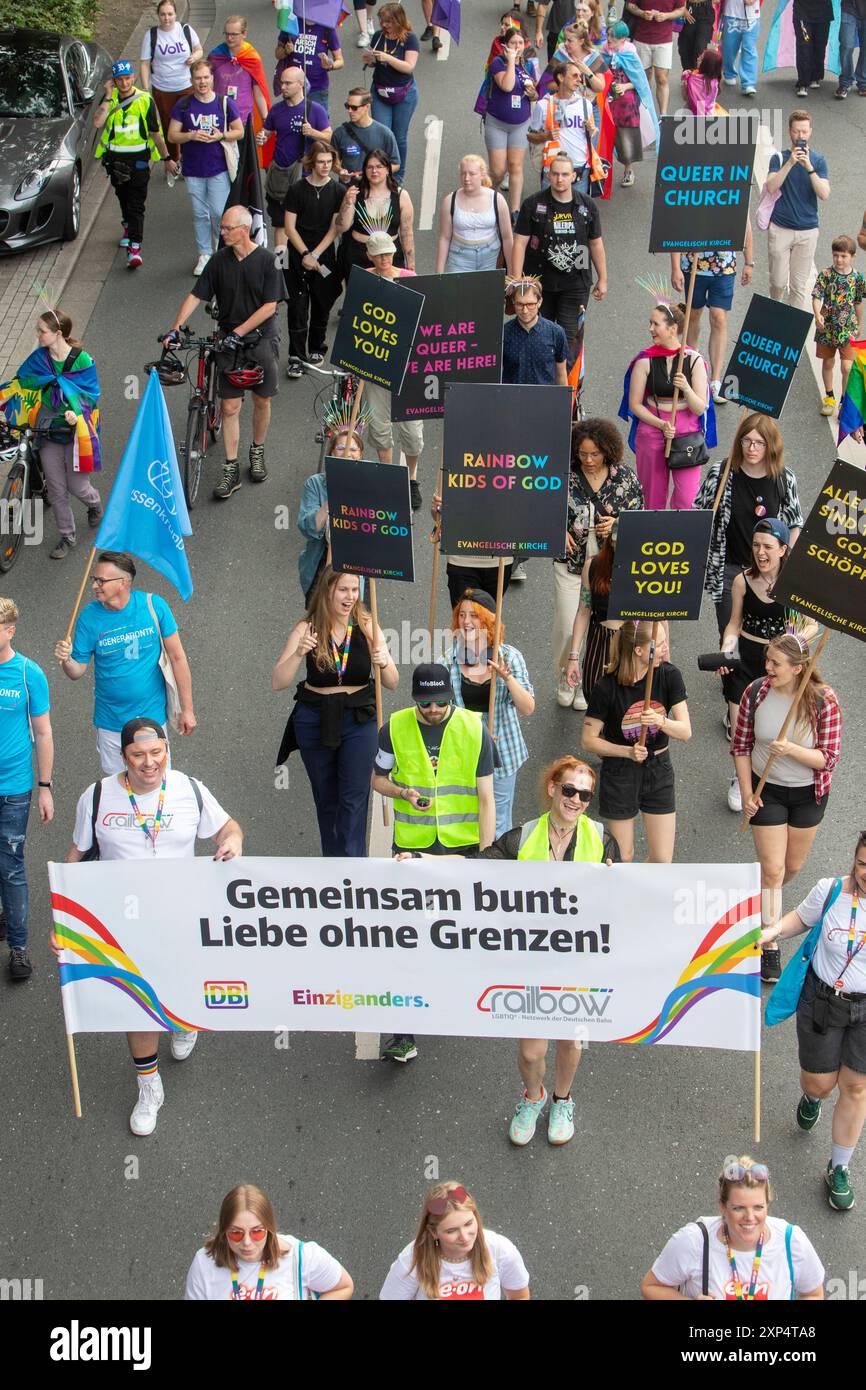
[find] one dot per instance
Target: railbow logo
(540, 1002)
(159, 477)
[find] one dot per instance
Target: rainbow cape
(37, 384)
(249, 60)
(852, 412)
(780, 51)
(708, 419)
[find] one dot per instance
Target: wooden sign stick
(494, 655)
(377, 680)
(648, 683)
(682, 352)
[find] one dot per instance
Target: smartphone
(801, 144)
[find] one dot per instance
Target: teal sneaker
(400, 1049)
(840, 1194)
(525, 1119)
(808, 1113)
(560, 1125)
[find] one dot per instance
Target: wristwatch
(45, 784)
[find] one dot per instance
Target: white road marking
(367, 1047)
(433, 128)
(442, 55)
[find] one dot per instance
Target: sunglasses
(570, 792)
(255, 1233)
(349, 107)
(736, 1172)
(437, 1206)
(436, 704)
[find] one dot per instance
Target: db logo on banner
(226, 994)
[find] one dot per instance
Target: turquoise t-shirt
(125, 649)
(16, 750)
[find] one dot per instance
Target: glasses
(437, 1206)
(435, 704)
(736, 1172)
(233, 33)
(588, 458)
(101, 583)
(349, 107)
(230, 227)
(255, 1233)
(754, 443)
(570, 792)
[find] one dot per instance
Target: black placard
(370, 519)
(825, 573)
(459, 338)
(703, 181)
(505, 470)
(659, 565)
(765, 355)
(377, 328)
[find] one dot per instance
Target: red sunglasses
(255, 1233)
(437, 1206)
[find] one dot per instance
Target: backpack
(496, 195)
(187, 33)
(94, 851)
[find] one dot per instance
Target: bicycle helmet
(169, 369)
(245, 373)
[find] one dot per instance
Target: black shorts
(628, 787)
(266, 353)
(276, 211)
(794, 806)
(841, 1041)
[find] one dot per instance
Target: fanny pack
(392, 96)
(280, 178)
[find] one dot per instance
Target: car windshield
(41, 95)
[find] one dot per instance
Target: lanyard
(139, 818)
(738, 1287)
(260, 1285)
(853, 951)
(341, 659)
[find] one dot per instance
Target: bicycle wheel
(11, 528)
(194, 451)
(215, 405)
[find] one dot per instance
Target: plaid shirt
(510, 743)
(828, 731)
(790, 512)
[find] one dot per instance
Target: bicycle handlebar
(336, 373)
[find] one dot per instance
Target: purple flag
(446, 15)
(326, 12)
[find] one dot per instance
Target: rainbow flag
(781, 46)
(852, 412)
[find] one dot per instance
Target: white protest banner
(632, 954)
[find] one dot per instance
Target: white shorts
(655, 55)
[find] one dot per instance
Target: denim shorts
(714, 291)
(628, 787)
(831, 1032)
(466, 258)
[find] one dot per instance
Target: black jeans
(311, 297)
(567, 308)
(811, 37)
(130, 176)
(693, 38)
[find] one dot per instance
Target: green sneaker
(401, 1048)
(840, 1195)
(525, 1119)
(561, 1122)
(808, 1113)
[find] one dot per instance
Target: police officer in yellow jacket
(436, 762)
(130, 139)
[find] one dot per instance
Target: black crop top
(661, 369)
(358, 671)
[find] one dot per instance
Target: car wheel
(72, 224)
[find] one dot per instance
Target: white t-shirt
(120, 836)
(509, 1272)
(168, 69)
(570, 118)
(320, 1273)
(681, 1262)
(831, 952)
(769, 718)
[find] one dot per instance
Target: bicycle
(343, 387)
(204, 419)
(24, 483)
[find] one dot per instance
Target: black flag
(246, 189)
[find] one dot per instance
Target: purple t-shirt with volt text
(287, 121)
(202, 161)
(307, 50)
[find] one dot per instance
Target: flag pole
(73, 1072)
(435, 538)
(757, 1116)
(683, 345)
(80, 594)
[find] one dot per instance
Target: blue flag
(146, 512)
(446, 15)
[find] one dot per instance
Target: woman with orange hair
(472, 669)
(247, 1259)
(453, 1257)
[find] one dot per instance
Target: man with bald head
(247, 287)
(296, 121)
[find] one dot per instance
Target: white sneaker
(182, 1045)
(730, 81)
(150, 1098)
(735, 798)
(362, 41)
(564, 692)
(718, 398)
(518, 573)
(200, 264)
(579, 701)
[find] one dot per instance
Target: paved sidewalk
(50, 268)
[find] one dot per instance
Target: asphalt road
(344, 1147)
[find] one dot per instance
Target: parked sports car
(49, 87)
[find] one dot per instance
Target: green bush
(59, 16)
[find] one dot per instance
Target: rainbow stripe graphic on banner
(104, 959)
(709, 970)
(852, 412)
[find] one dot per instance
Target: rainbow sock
(146, 1066)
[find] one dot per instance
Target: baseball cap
(380, 244)
(431, 681)
(773, 526)
(479, 596)
(133, 727)
(122, 68)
